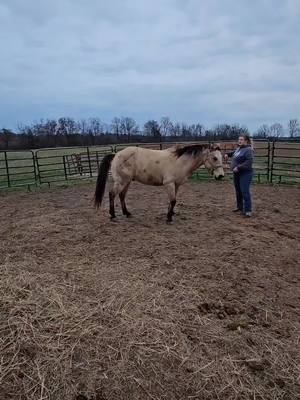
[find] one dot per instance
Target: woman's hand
(226, 157)
(235, 169)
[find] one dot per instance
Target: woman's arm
(229, 154)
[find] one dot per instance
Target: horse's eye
(215, 158)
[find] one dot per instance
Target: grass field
(49, 166)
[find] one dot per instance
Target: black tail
(102, 178)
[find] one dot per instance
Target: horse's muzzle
(219, 177)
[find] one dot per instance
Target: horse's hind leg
(122, 200)
(121, 189)
(172, 197)
(112, 204)
(114, 191)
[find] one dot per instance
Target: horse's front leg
(172, 200)
(176, 191)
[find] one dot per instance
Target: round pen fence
(84, 164)
(63, 164)
(275, 162)
(285, 162)
(17, 168)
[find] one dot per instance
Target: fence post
(34, 168)
(89, 158)
(272, 162)
(7, 170)
(97, 160)
(38, 166)
(268, 165)
(65, 168)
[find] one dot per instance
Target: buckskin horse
(169, 168)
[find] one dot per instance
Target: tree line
(93, 131)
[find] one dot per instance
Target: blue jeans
(242, 182)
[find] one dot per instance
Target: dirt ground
(206, 308)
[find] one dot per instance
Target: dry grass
(98, 315)
(60, 343)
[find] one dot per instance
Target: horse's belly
(149, 180)
(150, 167)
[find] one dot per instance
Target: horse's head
(214, 162)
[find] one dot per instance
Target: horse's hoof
(113, 219)
(128, 215)
(170, 222)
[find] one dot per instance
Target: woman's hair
(247, 139)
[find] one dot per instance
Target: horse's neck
(198, 161)
(193, 163)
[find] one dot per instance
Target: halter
(211, 149)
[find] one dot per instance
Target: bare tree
(237, 130)
(83, 126)
(7, 136)
(185, 130)
(116, 126)
(96, 126)
(67, 127)
(223, 131)
(176, 130)
(294, 127)
(263, 132)
(128, 127)
(166, 126)
(152, 128)
(276, 130)
(27, 132)
(51, 127)
(197, 130)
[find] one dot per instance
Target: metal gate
(84, 164)
(285, 162)
(17, 168)
(56, 165)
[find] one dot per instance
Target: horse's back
(144, 165)
(153, 166)
(127, 151)
(141, 154)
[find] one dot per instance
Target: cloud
(217, 61)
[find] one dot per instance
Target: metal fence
(17, 168)
(62, 164)
(275, 162)
(285, 162)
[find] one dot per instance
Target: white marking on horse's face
(215, 164)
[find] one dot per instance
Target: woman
(241, 165)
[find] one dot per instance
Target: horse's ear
(214, 147)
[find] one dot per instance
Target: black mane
(191, 150)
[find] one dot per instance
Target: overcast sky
(192, 60)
